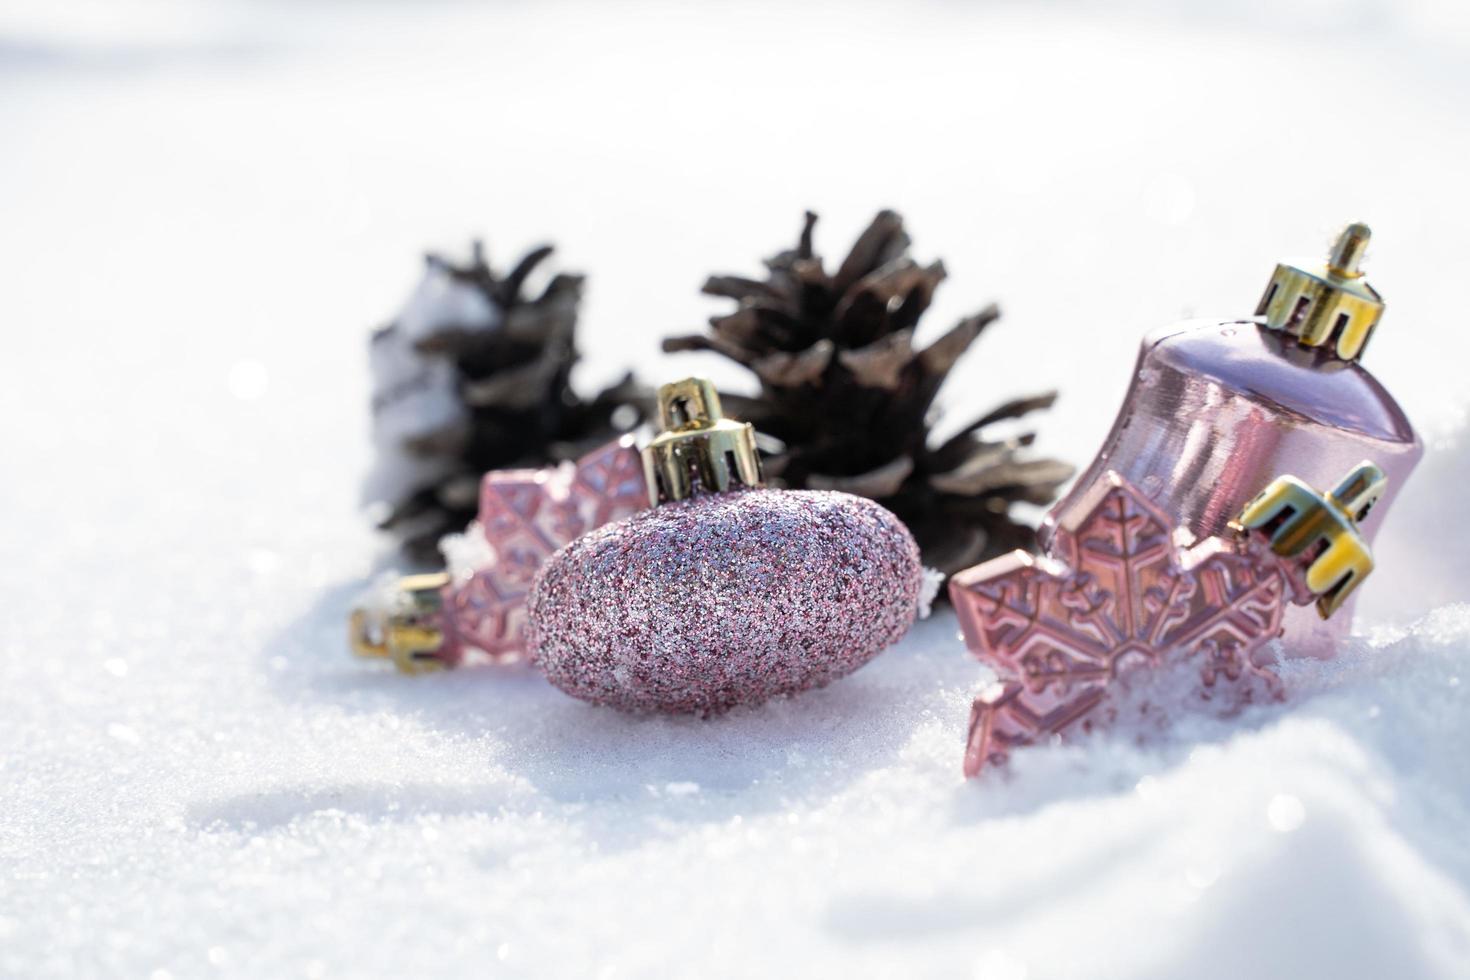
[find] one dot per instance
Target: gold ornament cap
(1326, 304)
(699, 450)
(1319, 531)
(403, 625)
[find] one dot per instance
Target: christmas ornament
(1122, 591)
(1218, 408)
(473, 376)
(844, 390)
(427, 622)
(724, 593)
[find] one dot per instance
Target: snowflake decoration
(525, 516)
(1116, 593)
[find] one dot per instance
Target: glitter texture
(726, 599)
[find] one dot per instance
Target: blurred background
(205, 208)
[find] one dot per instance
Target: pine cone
(472, 376)
(849, 398)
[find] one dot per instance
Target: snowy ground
(206, 207)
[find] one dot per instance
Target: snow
(415, 393)
(466, 552)
(208, 208)
(439, 302)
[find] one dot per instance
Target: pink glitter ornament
(425, 622)
(725, 593)
(1121, 590)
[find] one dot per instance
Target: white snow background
(204, 209)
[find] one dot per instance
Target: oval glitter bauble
(702, 604)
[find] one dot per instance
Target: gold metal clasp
(1319, 530)
(404, 625)
(699, 449)
(1326, 304)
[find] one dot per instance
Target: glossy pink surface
(724, 599)
(526, 515)
(1217, 410)
(1113, 595)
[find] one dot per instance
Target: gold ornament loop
(1319, 531)
(405, 629)
(1326, 304)
(699, 450)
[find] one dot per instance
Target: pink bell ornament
(1219, 408)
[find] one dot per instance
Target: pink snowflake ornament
(1119, 591)
(428, 622)
(525, 517)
